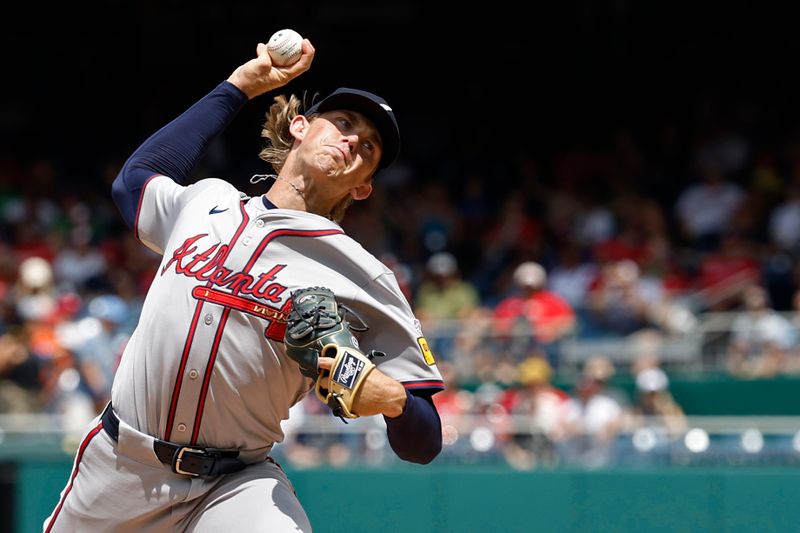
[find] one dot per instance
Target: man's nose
(352, 142)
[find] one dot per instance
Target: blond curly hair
(276, 130)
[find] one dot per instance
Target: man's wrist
(397, 406)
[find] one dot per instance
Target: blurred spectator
(42, 309)
(595, 224)
(572, 275)
(540, 410)
(623, 301)
(724, 273)
(103, 339)
(79, 261)
(760, 337)
(784, 221)
(454, 400)
(655, 408)
(595, 414)
(618, 302)
(19, 375)
(793, 358)
(706, 208)
(545, 316)
(494, 426)
(442, 299)
(473, 345)
(35, 292)
(444, 295)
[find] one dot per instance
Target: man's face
(343, 144)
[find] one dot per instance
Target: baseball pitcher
(256, 303)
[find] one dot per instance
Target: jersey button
(208, 320)
(246, 241)
(193, 374)
(181, 427)
(259, 223)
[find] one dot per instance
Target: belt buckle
(176, 462)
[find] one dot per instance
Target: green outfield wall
(475, 499)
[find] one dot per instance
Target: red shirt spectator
(549, 315)
(734, 265)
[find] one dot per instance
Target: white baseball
(284, 47)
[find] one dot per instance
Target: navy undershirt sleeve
(177, 148)
(416, 435)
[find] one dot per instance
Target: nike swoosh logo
(215, 211)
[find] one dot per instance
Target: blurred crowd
(502, 260)
(536, 424)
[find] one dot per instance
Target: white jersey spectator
(760, 337)
(784, 221)
(705, 209)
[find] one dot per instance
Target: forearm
(416, 435)
(177, 148)
(381, 395)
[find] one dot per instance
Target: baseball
(284, 47)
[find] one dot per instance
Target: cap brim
(374, 111)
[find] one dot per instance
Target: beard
(337, 213)
(328, 164)
(329, 159)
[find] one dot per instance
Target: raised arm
(177, 148)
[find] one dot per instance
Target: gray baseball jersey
(206, 365)
(220, 297)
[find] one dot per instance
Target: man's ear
(361, 192)
(298, 127)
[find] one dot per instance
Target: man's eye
(345, 123)
(368, 146)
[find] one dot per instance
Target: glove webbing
(320, 318)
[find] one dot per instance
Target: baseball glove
(318, 327)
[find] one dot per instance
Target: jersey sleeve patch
(426, 351)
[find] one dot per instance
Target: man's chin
(329, 166)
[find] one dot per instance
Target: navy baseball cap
(371, 106)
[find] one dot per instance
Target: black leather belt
(186, 460)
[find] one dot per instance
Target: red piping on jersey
(426, 384)
(284, 233)
(78, 459)
(176, 391)
(139, 207)
(181, 369)
(212, 358)
(253, 258)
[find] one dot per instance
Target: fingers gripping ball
(284, 47)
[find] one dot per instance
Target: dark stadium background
(84, 83)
